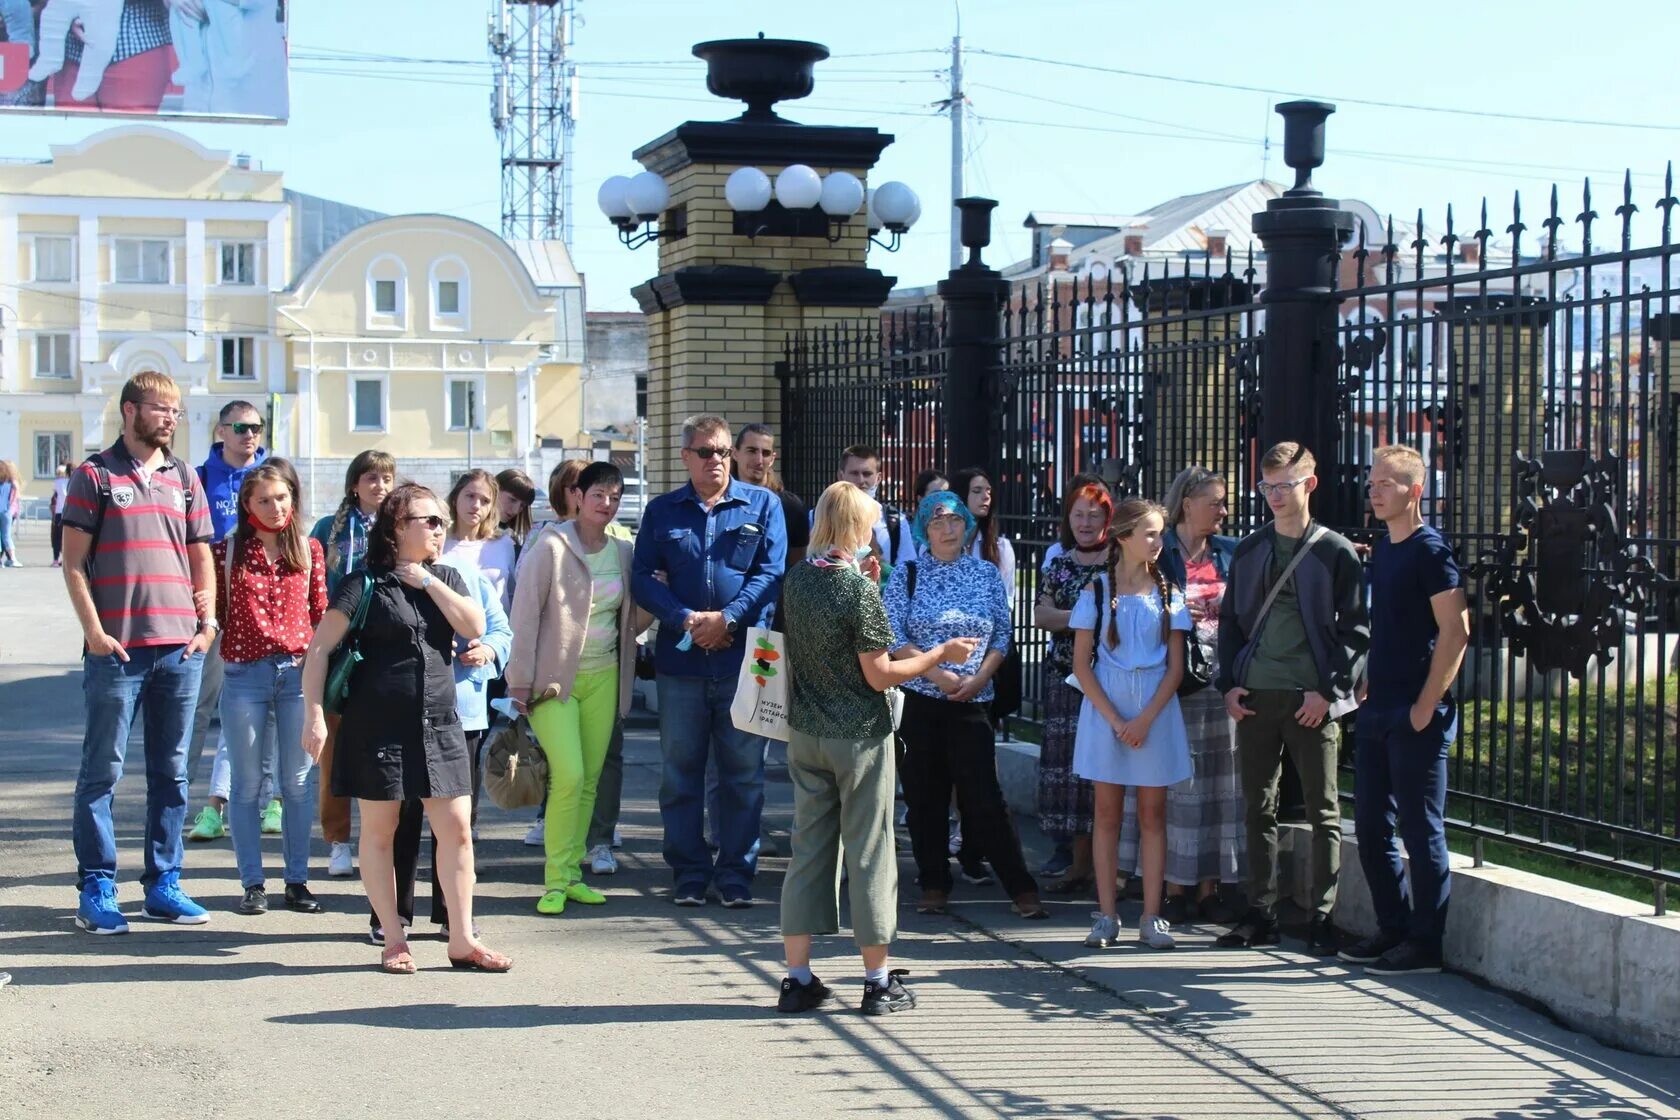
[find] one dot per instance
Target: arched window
(387, 294)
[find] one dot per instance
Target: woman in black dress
(399, 736)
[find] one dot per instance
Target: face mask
(862, 554)
(256, 523)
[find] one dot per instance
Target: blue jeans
(252, 694)
(1402, 773)
(164, 688)
(694, 725)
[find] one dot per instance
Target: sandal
(397, 960)
(933, 902)
(1029, 907)
(1071, 884)
(482, 960)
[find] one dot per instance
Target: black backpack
(102, 479)
(894, 519)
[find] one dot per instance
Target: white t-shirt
(61, 490)
(1050, 554)
(1006, 563)
(494, 560)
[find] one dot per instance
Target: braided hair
(1127, 516)
(366, 461)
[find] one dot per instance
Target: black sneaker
(1406, 959)
(1323, 939)
(1370, 949)
(884, 999)
(797, 997)
(977, 874)
(298, 898)
(1176, 910)
(254, 902)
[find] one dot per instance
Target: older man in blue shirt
(708, 564)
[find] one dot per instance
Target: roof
(1071, 218)
(318, 224)
(548, 262)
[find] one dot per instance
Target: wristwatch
(425, 581)
(730, 624)
(209, 624)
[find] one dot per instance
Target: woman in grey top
(840, 750)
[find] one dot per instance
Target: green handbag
(341, 666)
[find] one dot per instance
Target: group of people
(364, 662)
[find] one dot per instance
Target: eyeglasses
(433, 521)
(165, 410)
(1267, 489)
(246, 429)
(711, 452)
(945, 520)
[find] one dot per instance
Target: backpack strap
(894, 519)
(910, 580)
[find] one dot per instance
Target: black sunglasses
(711, 452)
(433, 521)
(247, 429)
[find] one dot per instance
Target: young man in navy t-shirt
(1420, 626)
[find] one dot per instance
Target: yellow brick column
(730, 292)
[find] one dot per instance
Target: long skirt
(1064, 798)
(1205, 837)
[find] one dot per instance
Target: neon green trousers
(574, 735)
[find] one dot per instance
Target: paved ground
(637, 1008)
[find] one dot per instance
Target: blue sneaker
(97, 912)
(166, 902)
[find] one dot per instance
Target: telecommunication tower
(532, 107)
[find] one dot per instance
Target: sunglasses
(433, 521)
(246, 429)
(711, 452)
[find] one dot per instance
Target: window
(239, 262)
(53, 263)
(385, 297)
(466, 403)
(367, 403)
(51, 449)
(449, 297)
(141, 262)
(239, 358)
(52, 355)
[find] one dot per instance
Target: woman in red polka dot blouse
(271, 594)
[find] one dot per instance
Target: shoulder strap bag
(341, 667)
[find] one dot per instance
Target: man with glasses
(1292, 643)
(138, 568)
(708, 564)
(238, 450)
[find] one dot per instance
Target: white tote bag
(762, 689)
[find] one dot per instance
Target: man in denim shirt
(708, 564)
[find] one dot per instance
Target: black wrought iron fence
(1540, 384)
(877, 384)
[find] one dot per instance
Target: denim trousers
(209, 706)
(1401, 775)
(162, 686)
(253, 693)
(694, 725)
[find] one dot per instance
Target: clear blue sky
(408, 137)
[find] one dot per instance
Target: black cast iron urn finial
(1303, 140)
(976, 226)
(760, 72)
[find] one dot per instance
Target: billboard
(193, 59)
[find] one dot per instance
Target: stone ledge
(1602, 964)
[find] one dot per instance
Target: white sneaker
(602, 861)
(534, 838)
(1105, 931)
(1156, 934)
(339, 864)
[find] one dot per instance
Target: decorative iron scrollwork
(1565, 576)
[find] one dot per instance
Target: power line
(1408, 106)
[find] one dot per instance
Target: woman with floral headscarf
(948, 593)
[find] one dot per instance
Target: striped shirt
(138, 570)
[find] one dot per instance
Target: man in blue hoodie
(237, 451)
(708, 565)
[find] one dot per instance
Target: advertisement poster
(199, 59)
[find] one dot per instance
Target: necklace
(1199, 555)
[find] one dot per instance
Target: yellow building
(426, 336)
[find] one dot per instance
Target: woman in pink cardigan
(572, 665)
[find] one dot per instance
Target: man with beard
(141, 578)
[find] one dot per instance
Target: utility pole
(534, 110)
(957, 189)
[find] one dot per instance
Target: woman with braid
(344, 539)
(1128, 655)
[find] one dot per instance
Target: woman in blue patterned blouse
(947, 593)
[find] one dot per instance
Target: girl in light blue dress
(1128, 629)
